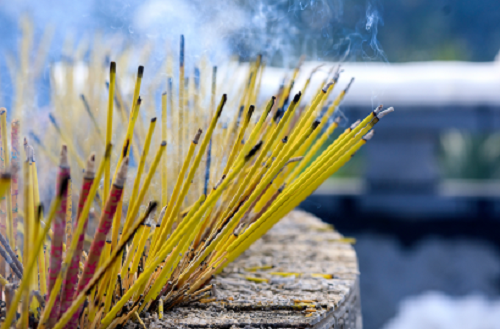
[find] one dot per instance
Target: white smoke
(205, 25)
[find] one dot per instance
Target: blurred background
(423, 200)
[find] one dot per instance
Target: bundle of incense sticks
(164, 222)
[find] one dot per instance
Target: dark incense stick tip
(164, 143)
(3, 110)
(139, 100)
(221, 105)
(253, 151)
(315, 124)
(164, 93)
(197, 136)
(109, 147)
(297, 97)
(39, 212)
(153, 120)
(112, 67)
(278, 115)
(152, 206)
(64, 186)
(125, 149)
(251, 109)
(140, 72)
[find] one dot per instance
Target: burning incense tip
(121, 176)
(140, 71)
(337, 74)
(378, 109)
(64, 163)
(90, 168)
(385, 112)
(355, 124)
(30, 154)
(369, 135)
(153, 120)
(163, 143)
(328, 85)
(315, 124)
(112, 67)
(349, 85)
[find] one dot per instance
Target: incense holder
(301, 274)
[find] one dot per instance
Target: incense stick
(219, 191)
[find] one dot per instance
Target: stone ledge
(300, 243)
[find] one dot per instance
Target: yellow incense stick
(6, 157)
(109, 127)
(164, 169)
(140, 169)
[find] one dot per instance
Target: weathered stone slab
(322, 294)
